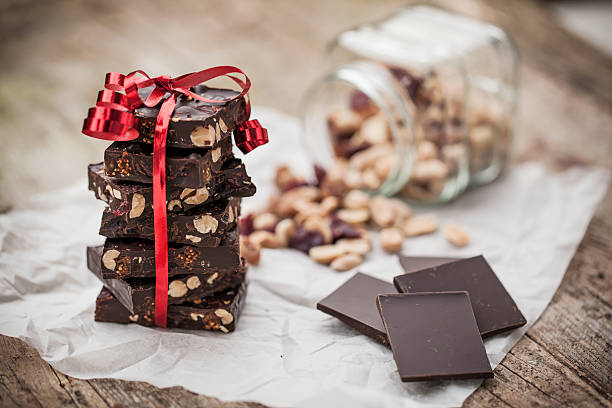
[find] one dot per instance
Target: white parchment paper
(284, 352)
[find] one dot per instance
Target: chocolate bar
(195, 124)
(219, 312)
(355, 304)
(135, 258)
(138, 295)
(193, 168)
(416, 263)
(434, 336)
(494, 309)
(136, 198)
(204, 226)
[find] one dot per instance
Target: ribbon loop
(113, 119)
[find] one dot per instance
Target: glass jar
(418, 105)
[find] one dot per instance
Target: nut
(420, 225)
(286, 205)
(222, 125)
(133, 318)
(223, 329)
(196, 316)
(329, 204)
(481, 137)
(353, 179)
(174, 203)
(402, 212)
(456, 235)
(177, 289)
(108, 259)
(265, 239)
(370, 179)
(355, 199)
(284, 230)
(325, 253)
(366, 159)
(391, 239)
(138, 205)
(374, 129)
(201, 195)
(206, 224)
(322, 225)
(225, 316)
(117, 194)
(346, 262)
(427, 150)
(429, 170)
(249, 250)
(193, 238)
(215, 154)
(202, 136)
(383, 211)
(343, 121)
(101, 195)
(212, 278)
(358, 246)
(193, 282)
(186, 192)
(383, 167)
(354, 216)
(285, 180)
(265, 221)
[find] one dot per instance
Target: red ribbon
(113, 119)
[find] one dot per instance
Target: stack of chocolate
(205, 183)
(435, 324)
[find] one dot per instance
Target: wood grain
(54, 55)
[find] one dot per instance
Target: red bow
(113, 119)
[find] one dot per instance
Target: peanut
(265, 221)
(456, 235)
(283, 231)
(420, 225)
(356, 216)
(346, 262)
(249, 250)
(265, 239)
(325, 253)
(358, 246)
(391, 239)
(355, 199)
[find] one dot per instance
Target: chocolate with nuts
(135, 258)
(138, 295)
(204, 226)
(193, 168)
(218, 313)
(136, 198)
(195, 124)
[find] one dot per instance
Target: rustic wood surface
(54, 55)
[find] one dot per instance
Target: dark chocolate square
(416, 263)
(494, 309)
(434, 336)
(355, 304)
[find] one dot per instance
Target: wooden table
(56, 53)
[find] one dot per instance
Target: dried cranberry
(246, 224)
(303, 239)
(320, 174)
(342, 229)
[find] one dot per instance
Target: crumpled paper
(284, 352)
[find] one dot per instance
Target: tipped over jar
(419, 105)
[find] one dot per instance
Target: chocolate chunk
(138, 295)
(135, 198)
(219, 312)
(355, 304)
(416, 263)
(204, 226)
(196, 124)
(193, 168)
(135, 258)
(434, 336)
(494, 309)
